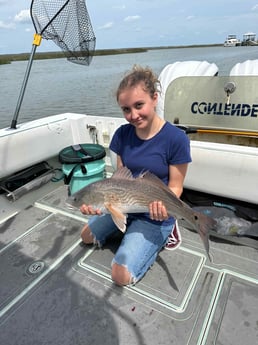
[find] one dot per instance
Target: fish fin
(154, 179)
(123, 173)
(118, 217)
(205, 225)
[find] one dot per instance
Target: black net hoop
(68, 24)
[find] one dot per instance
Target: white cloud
(108, 25)
(131, 18)
(255, 7)
(23, 16)
(6, 26)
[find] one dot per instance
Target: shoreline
(9, 58)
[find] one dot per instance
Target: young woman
(146, 143)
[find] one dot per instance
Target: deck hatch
(235, 315)
(171, 281)
(25, 259)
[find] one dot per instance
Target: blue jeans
(140, 245)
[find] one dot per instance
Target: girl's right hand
(88, 210)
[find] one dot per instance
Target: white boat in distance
(232, 41)
(249, 39)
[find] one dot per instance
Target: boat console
(221, 113)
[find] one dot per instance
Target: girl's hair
(140, 75)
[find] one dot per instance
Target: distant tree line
(8, 58)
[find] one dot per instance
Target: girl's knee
(86, 235)
(120, 275)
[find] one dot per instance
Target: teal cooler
(82, 164)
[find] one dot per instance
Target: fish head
(89, 195)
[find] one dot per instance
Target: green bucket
(82, 164)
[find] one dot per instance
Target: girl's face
(137, 106)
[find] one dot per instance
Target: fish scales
(145, 194)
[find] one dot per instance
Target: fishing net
(68, 24)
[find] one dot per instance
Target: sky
(137, 23)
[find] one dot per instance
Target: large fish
(122, 194)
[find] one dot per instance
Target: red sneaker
(174, 239)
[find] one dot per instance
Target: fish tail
(205, 224)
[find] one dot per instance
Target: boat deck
(56, 290)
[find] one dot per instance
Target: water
(57, 86)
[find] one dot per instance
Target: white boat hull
(225, 170)
(222, 169)
(42, 139)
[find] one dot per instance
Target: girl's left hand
(158, 211)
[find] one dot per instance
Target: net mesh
(68, 24)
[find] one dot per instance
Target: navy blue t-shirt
(170, 146)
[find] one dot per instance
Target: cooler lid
(81, 153)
